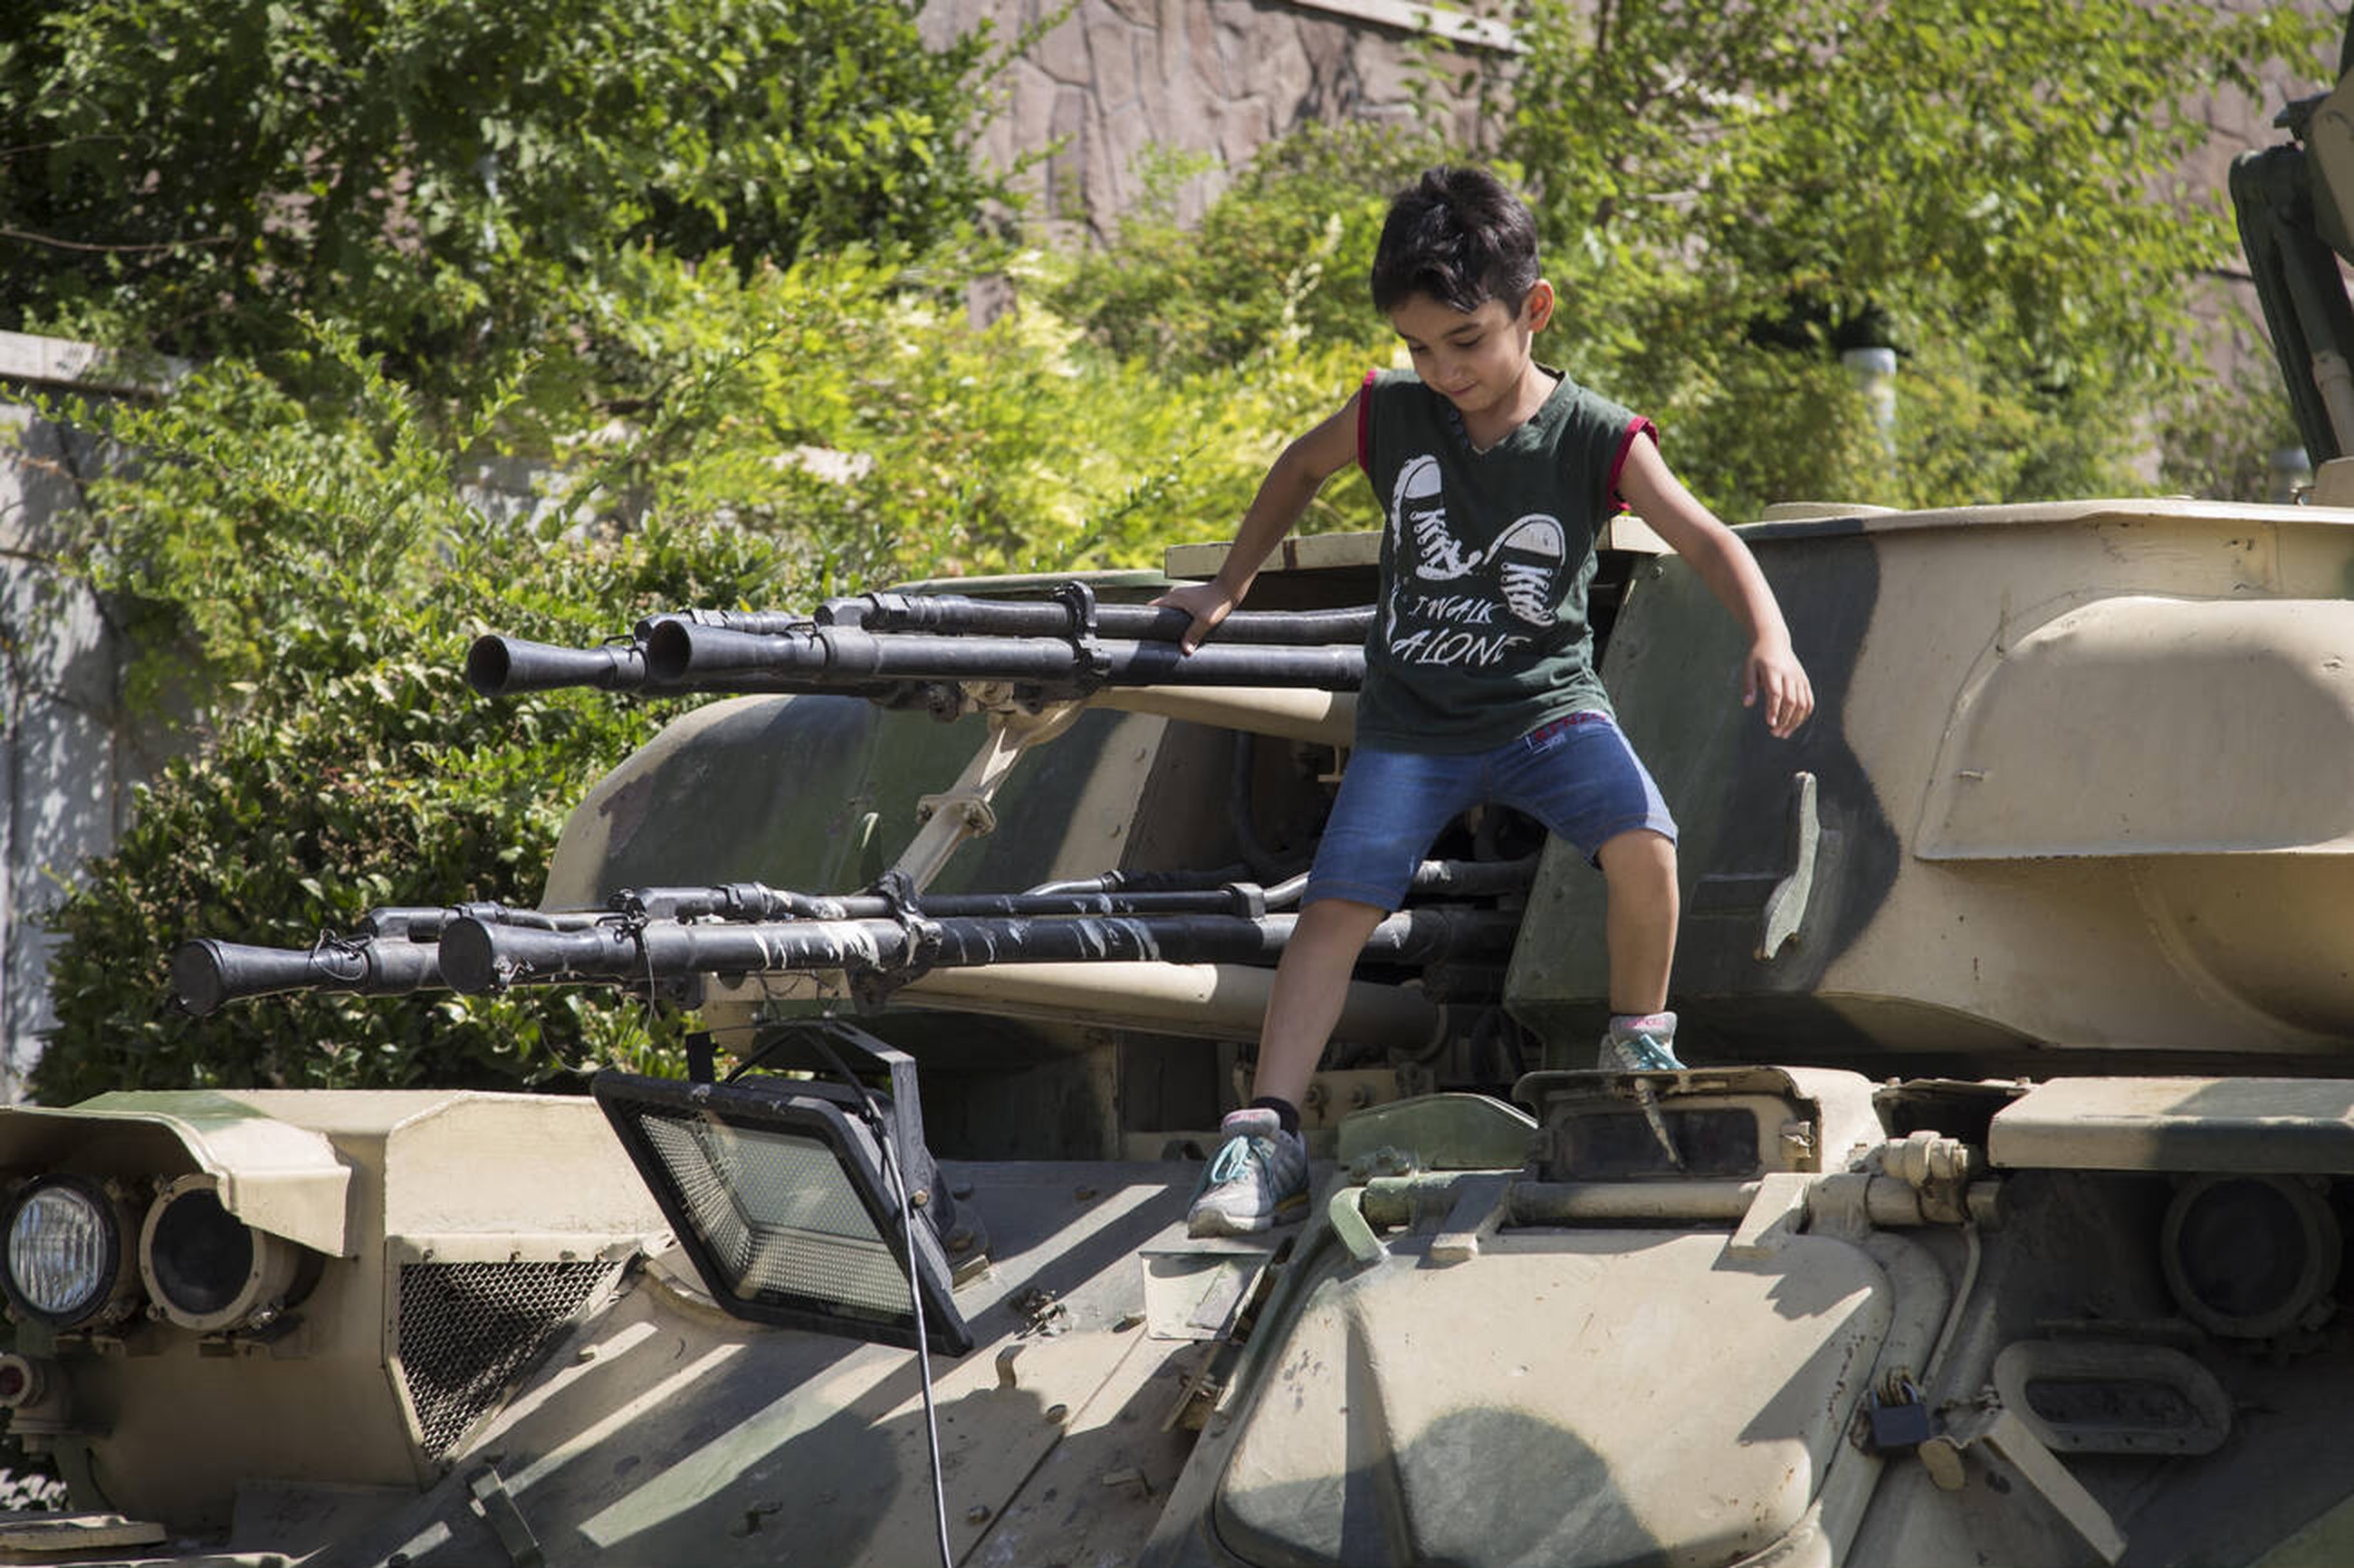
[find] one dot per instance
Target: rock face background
(1118, 77)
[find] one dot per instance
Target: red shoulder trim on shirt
(1638, 426)
(1364, 423)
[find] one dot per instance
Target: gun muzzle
(509, 666)
(207, 973)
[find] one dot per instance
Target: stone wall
(68, 758)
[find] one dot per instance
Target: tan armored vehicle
(2001, 1222)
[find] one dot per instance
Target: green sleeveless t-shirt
(1480, 634)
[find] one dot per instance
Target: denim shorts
(1576, 775)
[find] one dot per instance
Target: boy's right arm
(1283, 497)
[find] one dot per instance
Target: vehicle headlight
(208, 1270)
(66, 1263)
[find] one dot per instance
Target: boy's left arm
(1772, 671)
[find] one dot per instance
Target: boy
(1480, 686)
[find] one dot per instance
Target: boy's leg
(1638, 869)
(1259, 1178)
(1311, 984)
(1580, 778)
(1392, 805)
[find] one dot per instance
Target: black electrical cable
(883, 1141)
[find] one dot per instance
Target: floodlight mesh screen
(468, 1328)
(779, 1216)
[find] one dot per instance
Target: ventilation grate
(467, 1329)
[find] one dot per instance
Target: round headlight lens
(64, 1250)
(199, 1256)
(209, 1271)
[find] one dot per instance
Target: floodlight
(789, 1205)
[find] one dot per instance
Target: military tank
(1999, 1219)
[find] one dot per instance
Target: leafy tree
(871, 428)
(305, 580)
(1281, 255)
(1989, 185)
(185, 176)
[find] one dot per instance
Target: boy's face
(1476, 359)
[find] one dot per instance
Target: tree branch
(56, 244)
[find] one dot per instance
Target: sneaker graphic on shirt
(1530, 559)
(1418, 511)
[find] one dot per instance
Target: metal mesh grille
(779, 1216)
(468, 1328)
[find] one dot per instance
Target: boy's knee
(1339, 918)
(1638, 852)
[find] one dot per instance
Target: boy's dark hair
(1458, 236)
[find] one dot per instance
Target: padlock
(1902, 1422)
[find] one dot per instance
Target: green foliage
(185, 176)
(1990, 185)
(1279, 257)
(389, 783)
(2217, 440)
(305, 582)
(853, 411)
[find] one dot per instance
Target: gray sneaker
(1640, 1045)
(1257, 1179)
(1645, 1044)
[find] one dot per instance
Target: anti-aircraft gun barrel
(207, 972)
(500, 666)
(680, 654)
(423, 923)
(963, 615)
(753, 901)
(1115, 893)
(509, 666)
(879, 645)
(483, 956)
(394, 952)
